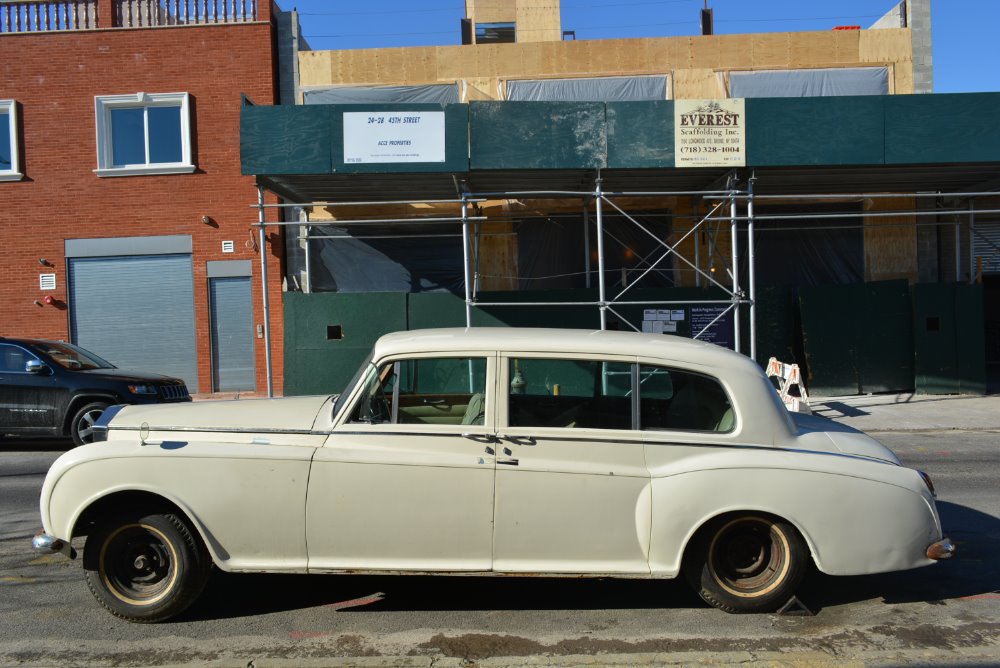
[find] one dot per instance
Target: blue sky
(965, 34)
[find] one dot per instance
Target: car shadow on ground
(973, 572)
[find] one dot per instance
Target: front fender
(246, 501)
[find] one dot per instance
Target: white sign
(393, 136)
(710, 133)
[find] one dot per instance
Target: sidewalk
(911, 412)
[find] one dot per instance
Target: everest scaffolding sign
(710, 133)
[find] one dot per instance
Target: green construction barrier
(328, 334)
(538, 135)
(949, 338)
(857, 338)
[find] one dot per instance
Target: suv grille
(173, 392)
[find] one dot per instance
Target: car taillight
(927, 481)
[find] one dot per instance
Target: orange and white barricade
(789, 376)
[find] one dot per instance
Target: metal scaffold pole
(465, 262)
(598, 201)
(751, 273)
(262, 235)
(733, 218)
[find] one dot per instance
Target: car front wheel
(747, 563)
(145, 568)
(82, 426)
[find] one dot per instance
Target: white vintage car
(493, 451)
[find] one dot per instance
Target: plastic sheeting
(409, 263)
(430, 94)
(808, 252)
(810, 83)
(598, 89)
(551, 255)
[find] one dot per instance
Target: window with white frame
(143, 133)
(10, 168)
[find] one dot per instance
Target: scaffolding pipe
(958, 250)
(264, 292)
(465, 263)
(736, 272)
(586, 241)
(858, 214)
(598, 201)
(751, 274)
(305, 238)
(963, 195)
(972, 244)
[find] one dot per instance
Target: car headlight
(142, 389)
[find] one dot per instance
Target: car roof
(528, 339)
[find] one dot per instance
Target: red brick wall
(54, 78)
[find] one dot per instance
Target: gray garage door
(986, 246)
(232, 334)
(137, 312)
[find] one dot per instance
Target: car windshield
(69, 356)
(342, 398)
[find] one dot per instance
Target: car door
(572, 488)
(405, 479)
(29, 402)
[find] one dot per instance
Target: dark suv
(51, 388)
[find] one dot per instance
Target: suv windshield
(69, 356)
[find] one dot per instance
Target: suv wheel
(82, 426)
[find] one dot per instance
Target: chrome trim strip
(224, 430)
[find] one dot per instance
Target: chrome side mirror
(37, 367)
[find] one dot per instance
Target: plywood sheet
(890, 241)
(811, 48)
(696, 84)
(315, 68)
(481, 89)
(498, 268)
(891, 45)
(771, 51)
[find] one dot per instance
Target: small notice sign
(710, 133)
(393, 136)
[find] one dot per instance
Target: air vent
(47, 281)
(228, 247)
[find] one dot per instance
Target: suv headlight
(142, 389)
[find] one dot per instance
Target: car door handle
(508, 462)
(518, 440)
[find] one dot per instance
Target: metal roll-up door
(233, 368)
(986, 247)
(137, 312)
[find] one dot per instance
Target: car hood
(286, 414)
(129, 374)
(819, 433)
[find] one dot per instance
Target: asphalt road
(946, 614)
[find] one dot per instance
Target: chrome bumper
(943, 549)
(43, 542)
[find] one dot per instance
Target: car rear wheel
(747, 563)
(82, 426)
(145, 568)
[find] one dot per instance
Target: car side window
(439, 390)
(570, 393)
(682, 400)
(14, 359)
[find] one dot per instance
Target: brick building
(126, 221)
